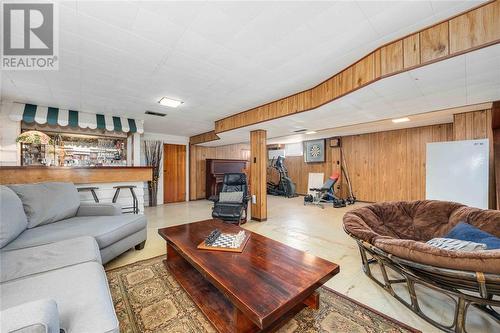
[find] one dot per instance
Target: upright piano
(215, 170)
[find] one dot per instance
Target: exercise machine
(325, 194)
(285, 187)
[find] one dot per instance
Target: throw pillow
(13, 220)
(235, 197)
(468, 232)
(48, 202)
(456, 245)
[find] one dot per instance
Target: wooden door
(174, 173)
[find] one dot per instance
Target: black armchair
(232, 203)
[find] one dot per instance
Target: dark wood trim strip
(203, 137)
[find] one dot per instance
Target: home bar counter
(105, 178)
(77, 175)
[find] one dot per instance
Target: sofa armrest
(99, 209)
(39, 316)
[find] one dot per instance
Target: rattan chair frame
(465, 288)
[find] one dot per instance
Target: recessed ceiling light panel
(400, 120)
(311, 132)
(172, 103)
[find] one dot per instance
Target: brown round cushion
(402, 228)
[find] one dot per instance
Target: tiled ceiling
(472, 78)
(120, 57)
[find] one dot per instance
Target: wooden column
(258, 166)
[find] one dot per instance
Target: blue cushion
(467, 232)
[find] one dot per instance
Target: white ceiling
(471, 78)
(120, 57)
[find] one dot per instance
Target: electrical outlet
(254, 199)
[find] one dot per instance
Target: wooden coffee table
(253, 291)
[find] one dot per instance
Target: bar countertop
(77, 175)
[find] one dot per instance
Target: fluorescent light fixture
(165, 101)
(311, 132)
(400, 120)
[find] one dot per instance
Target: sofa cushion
(105, 229)
(38, 259)
(31, 317)
(236, 197)
(13, 220)
(487, 261)
(99, 209)
(227, 211)
(47, 202)
(80, 291)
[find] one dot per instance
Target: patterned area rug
(148, 299)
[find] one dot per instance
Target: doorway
(174, 173)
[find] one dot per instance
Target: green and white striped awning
(30, 113)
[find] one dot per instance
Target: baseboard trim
(258, 219)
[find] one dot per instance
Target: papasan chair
(394, 235)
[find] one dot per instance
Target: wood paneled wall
(383, 166)
(390, 165)
(197, 164)
(299, 170)
(474, 29)
(478, 125)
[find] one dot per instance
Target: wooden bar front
(77, 175)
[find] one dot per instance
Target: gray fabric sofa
(52, 248)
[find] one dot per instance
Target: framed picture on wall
(314, 151)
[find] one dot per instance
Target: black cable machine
(285, 187)
(351, 199)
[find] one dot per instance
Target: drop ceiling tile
(153, 27)
(116, 58)
(392, 19)
(68, 60)
(110, 12)
(336, 20)
(181, 13)
(69, 4)
(449, 8)
(240, 10)
(29, 78)
(68, 19)
(197, 46)
(118, 40)
(214, 24)
(69, 79)
(483, 93)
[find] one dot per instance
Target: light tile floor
(314, 230)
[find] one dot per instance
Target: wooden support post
(258, 165)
